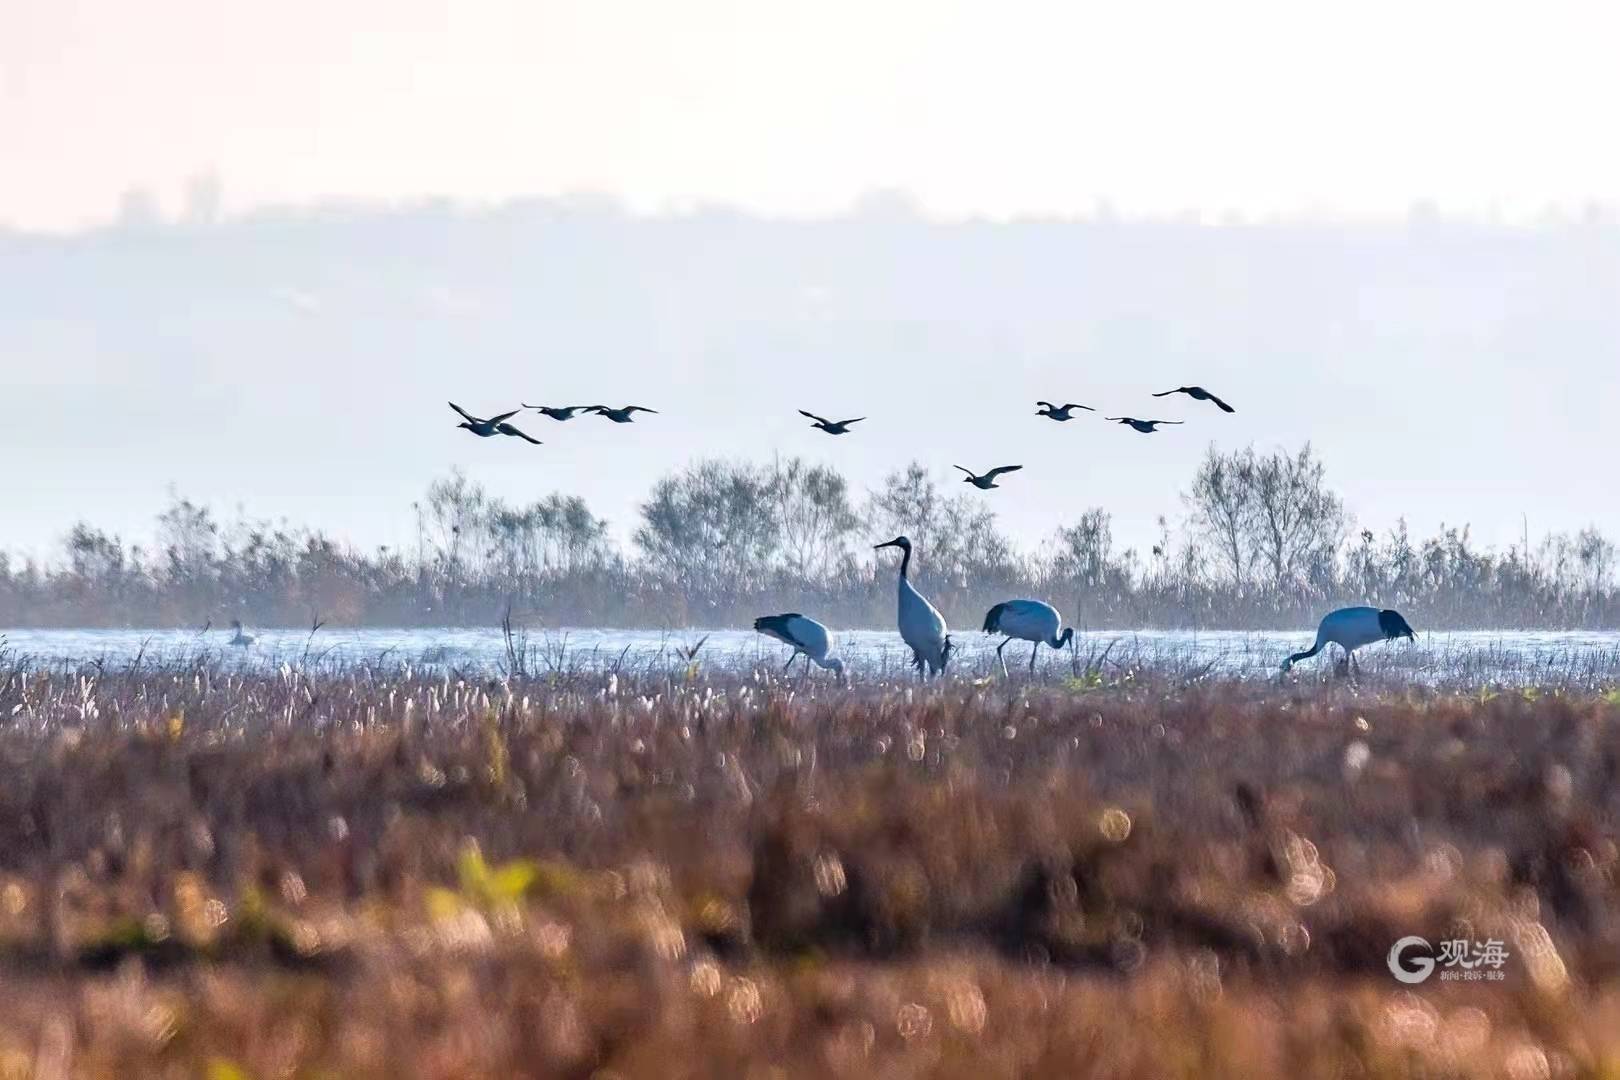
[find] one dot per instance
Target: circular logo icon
(1411, 969)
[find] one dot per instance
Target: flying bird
(922, 627)
(618, 416)
(1352, 627)
(1198, 393)
(988, 480)
(1027, 620)
(831, 427)
(557, 412)
(806, 636)
(1056, 412)
(483, 428)
(1146, 427)
(508, 429)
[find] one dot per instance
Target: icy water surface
(1589, 657)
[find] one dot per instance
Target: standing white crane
(1352, 627)
(1027, 620)
(921, 625)
(806, 636)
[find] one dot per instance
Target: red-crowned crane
(806, 636)
(1027, 620)
(922, 627)
(1352, 627)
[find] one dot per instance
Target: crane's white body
(922, 627)
(1352, 627)
(1027, 620)
(807, 637)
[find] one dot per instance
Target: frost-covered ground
(1505, 656)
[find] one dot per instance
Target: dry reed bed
(373, 873)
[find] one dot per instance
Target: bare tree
(908, 502)
(1271, 513)
(1222, 499)
(957, 538)
(189, 536)
(1595, 552)
(452, 519)
(1298, 523)
(709, 530)
(1085, 552)
(813, 516)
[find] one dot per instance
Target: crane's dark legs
(1033, 650)
(789, 664)
(1002, 658)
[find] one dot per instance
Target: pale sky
(1002, 108)
(1452, 411)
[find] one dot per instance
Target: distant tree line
(1265, 543)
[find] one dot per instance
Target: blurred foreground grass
(373, 874)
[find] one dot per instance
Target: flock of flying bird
(921, 626)
(499, 425)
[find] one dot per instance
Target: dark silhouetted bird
(618, 416)
(484, 429)
(831, 427)
(495, 425)
(1198, 393)
(1055, 412)
(988, 480)
(557, 412)
(508, 429)
(1144, 426)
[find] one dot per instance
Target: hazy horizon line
(144, 207)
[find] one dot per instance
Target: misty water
(1508, 656)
